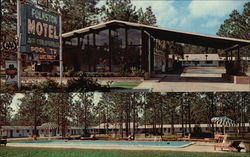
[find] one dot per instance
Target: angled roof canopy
(168, 34)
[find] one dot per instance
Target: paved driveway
(194, 79)
(203, 72)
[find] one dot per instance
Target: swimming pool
(114, 143)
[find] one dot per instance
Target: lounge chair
(230, 146)
(3, 141)
(92, 137)
(218, 138)
(67, 137)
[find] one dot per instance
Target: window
(17, 131)
(74, 41)
(134, 37)
(28, 131)
(102, 38)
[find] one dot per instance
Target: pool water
(114, 143)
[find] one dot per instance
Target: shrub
(82, 84)
(46, 86)
(234, 69)
(137, 72)
(8, 88)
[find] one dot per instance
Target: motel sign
(39, 33)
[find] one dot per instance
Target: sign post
(19, 45)
(60, 50)
(1, 60)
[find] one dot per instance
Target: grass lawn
(125, 84)
(51, 152)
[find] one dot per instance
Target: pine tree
(124, 10)
(78, 14)
(147, 17)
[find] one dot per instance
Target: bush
(46, 86)
(8, 88)
(82, 84)
(137, 72)
(234, 69)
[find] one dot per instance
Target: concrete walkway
(194, 79)
(192, 86)
(196, 147)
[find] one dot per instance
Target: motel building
(116, 46)
(104, 128)
(206, 60)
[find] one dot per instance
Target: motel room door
(11, 133)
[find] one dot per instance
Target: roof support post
(110, 51)
(141, 38)
(231, 55)
(226, 64)
(88, 53)
(149, 51)
(126, 48)
(95, 50)
(238, 57)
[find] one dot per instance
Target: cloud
(164, 11)
(221, 8)
(211, 23)
(192, 15)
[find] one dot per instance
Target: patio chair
(3, 141)
(218, 138)
(92, 137)
(234, 145)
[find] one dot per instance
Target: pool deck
(196, 147)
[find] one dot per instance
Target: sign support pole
(19, 45)
(1, 58)
(60, 50)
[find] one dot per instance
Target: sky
(201, 16)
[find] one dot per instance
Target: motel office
(116, 46)
(26, 131)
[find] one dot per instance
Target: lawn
(52, 152)
(125, 84)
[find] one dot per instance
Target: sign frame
(40, 32)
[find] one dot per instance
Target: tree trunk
(161, 122)
(35, 121)
(145, 121)
(182, 119)
(172, 122)
(134, 121)
(212, 113)
(85, 118)
(189, 117)
(127, 119)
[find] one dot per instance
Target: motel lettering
(42, 29)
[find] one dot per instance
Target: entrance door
(11, 133)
